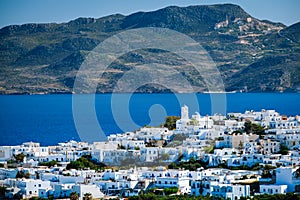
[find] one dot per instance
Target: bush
(22, 174)
(171, 190)
(19, 157)
(170, 122)
(85, 162)
(254, 128)
(284, 150)
(2, 190)
(74, 196)
(48, 164)
(191, 165)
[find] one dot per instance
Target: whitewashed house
(88, 189)
(5, 153)
(149, 154)
(202, 187)
(273, 189)
(286, 176)
(229, 191)
(30, 149)
(133, 144)
(7, 173)
(98, 149)
(181, 183)
(148, 134)
(62, 190)
(29, 187)
(269, 146)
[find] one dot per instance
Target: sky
(45, 11)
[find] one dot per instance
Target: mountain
(252, 55)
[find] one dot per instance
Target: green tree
(170, 122)
(87, 196)
(194, 122)
(267, 171)
(85, 162)
(27, 175)
(191, 165)
(2, 190)
(248, 127)
(74, 196)
(254, 128)
(210, 149)
(164, 156)
(240, 147)
(19, 157)
(284, 150)
(22, 174)
(258, 129)
(49, 164)
(298, 173)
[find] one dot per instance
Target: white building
(29, 187)
(181, 183)
(196, 123)
(30, 149)
(8, 173)
(286, 176)
(133, 144)
(229, 191)
(270, 146)
(290, 138)
(85, 189)
(149, 154)
(273, 189)
(61, 190)
(152, 133)
(5, 153)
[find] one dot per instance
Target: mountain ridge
(252, 55)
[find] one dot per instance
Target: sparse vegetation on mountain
(251, 54)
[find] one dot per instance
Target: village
(232, 157)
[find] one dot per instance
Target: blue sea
(49, 119)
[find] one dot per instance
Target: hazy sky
(27, 11)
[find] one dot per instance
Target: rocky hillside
(251, 54)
